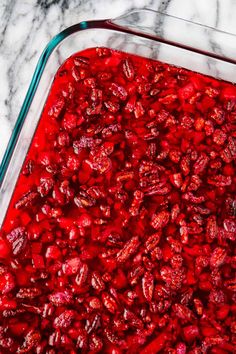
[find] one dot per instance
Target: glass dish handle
(179, 32)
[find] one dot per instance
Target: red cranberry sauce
(120, 236)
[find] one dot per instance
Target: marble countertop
(27, 26)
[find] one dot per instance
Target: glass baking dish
(141, 32)
(170, 40)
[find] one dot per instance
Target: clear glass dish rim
(107, 24)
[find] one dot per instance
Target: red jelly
(120, 236)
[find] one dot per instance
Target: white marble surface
(26, 27)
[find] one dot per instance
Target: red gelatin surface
(120, 235)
